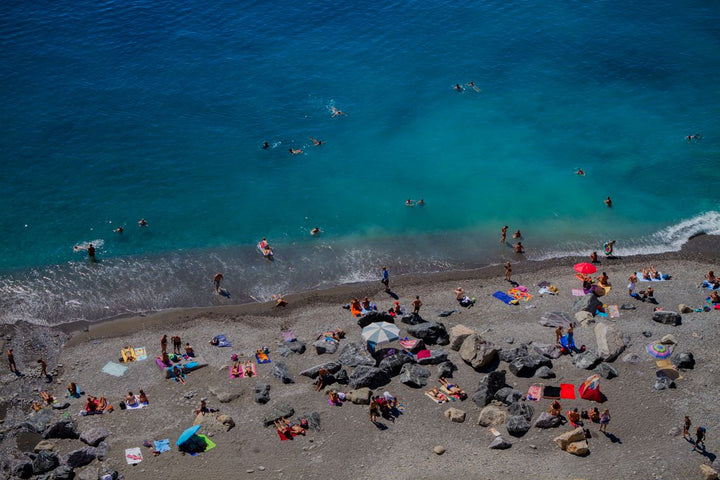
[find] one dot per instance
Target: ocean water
(115, 111)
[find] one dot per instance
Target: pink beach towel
(535, 393)
(423, 354)
(577, 292)
(408, 344)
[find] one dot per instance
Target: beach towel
(221, 341)
(566, 343)
(262, 357)
(665, 363)
(160, 364)
(535, 392)
(114, 369)
(133, 455)
(288, 336)
(140, 354)
(708, 285)
(439, 401)
(503, 297)
(137, 405)
(128, 354)
(551, 392)
(423, 354)
(567, 391)
(452, 396)
(578, 292)
(252, 367)
(210, 444)
(283, 437)
(641, 279)
(520, 293)
(613, 311)
(239, 374)
(408, 344)
(162, 445)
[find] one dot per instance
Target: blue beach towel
(566, 343)
(221, 341)
(661, 279)
(503, 297)
(708, 285)
(162, 445)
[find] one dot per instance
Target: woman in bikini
(454, 389)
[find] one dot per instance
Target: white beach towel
(133, 455)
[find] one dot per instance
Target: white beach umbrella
(380, 332)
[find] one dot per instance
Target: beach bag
(122, 405)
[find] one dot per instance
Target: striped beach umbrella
(657, 349)
(380, 332)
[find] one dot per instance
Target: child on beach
(189, 350)
(385, 279)
(508, 271)
(604, 420)
(686, 426)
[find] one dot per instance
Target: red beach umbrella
(585, 268)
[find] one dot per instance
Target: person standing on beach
(216, 281)
(686, 426)
(604, 420)
(558, 334)
(632, 280)
(519, 248)
(700, 438)
(91, 252)
(177, 344)
(385, 280)
(11, 361)
(416, 305)
(594, 258)
(503, 234)
(163, 344)
(43, 367)
(508, 271)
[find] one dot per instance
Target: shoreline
(700, 247)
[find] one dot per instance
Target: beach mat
(114, 369)
(535, 393)
(222, 341)
(551, 392)
(503, 297)
(577, 292)
(439, 401)
(262, 358)
(210, 444)
(641, 279)
(128, 354)
(613, 311)
(133, 455)
(162, 445)
(288, 336)
(141, 353)
(567, 391)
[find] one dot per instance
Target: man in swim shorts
(91, 252)
(216, 281)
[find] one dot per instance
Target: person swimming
(315, 231)
(336, 112)
(316, 142)
(580, 171)
(458, 88)
(265, 145)
(295, 151)
(409, 203)
(608, 201)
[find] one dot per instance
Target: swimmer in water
(420, 203)
(608, 202)
(118, 230)
(315, 231)
(458, 88)
(409, 203)
(295, 151)
(580, 172)
(91, 252)
(472, 85)
(336, 112)
(316, 142)
(517, 234)
(266, 145)
(142, 223)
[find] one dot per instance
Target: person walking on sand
(503, 234)
(686, 426)
(699, 439)
(508, 271)
(163, 344)
(416, 305)
(11, 361)
(385, 280)
(604, 420)
(43, 367)
(216, 281)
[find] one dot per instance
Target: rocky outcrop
(606, 370)
(44, 462)
(492, 415)
(521, 409)
(544, 372)
(280, 371)
(361, 396)
(80, 457)
(609, 341)
(499, 443)
(313, 372)
(488, 387)
(526, 365)
(414, 375)
(446, 369)
(262, 393)
(684, 360)
(579, 448)
(478, 352)
(63, 428)
(454, 414)
(280, 410)
(430, 332)
(436, 357)
(325, 346)
(458, 334)
(545, 420)
(661, 383)
(588, 303)
(517, 425)
(94, 436)
(371, 377)
(354, 354)
(556, 319)
(586, 360)
(547, 350)
(667, 317)
(374, 317)
(567, 438)
(392, 364)
(508, 395)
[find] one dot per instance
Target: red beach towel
(567, 391)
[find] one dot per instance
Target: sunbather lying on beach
(452, 388)
(334, 334)
(714, 298)
(288, 429)
(437, 395)
(555, 408)
(49, 399)
(178, 374)
(236, 369)
(334, 397)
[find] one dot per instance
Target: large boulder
(446, 369)
(668, 339)
(584, 319)
(684, 360)
(63, 472)
(525, 365)
(547, 350)
(661, 383)
(508, 395)
(278, 411)
(313, 372)
(342, 377)
(361, 396)
(313, 420)
(44, 462)
(393, 363)
(325, 345)
(279, 370)
(63, 428)
(517, 425)
(544, 372)
(374, 317)
(414, 375)
(522, 409)
(80, 457)
(605, 370)
(296, 347)
(667, 317)
(478, 352)
(510, 354)
(262, 393)
(454, 414)
(224, 394)
(567, 438)
(632, 358)
(354, 354)
(213, 423)
(579, 448)
(499, 443)
(545, 420)
(587, 303)
(94, 436)
(430, 332)
(436, 357)
(492, 415)
(37, 422)
(365, 376)
(587, 360)
(103, 449)
(21, 467)
(412, 319)
(556, 319)
(609, 341)
(488, 387)
(458, 334)
(708, 473)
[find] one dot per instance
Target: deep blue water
(115, 111)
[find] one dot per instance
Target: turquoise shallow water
(114, 111)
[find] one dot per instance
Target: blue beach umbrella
(187, 434)
(380, 332)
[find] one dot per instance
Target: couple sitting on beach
(95, 406)
(463, 299)
(359, 308)
(242, 369)
(650, 274)
(711, 281)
